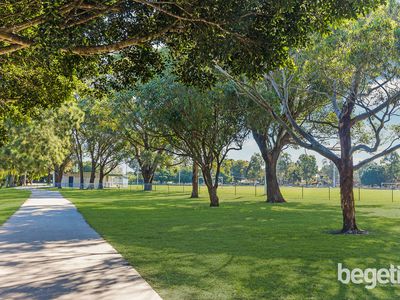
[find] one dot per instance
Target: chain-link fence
(289, 192)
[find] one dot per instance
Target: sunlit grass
(246, 248)
(10, 201)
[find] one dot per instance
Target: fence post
(255, 190)
(392, 193)
(359, 194)
(235, 187)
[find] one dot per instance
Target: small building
(72, 180)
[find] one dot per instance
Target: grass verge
(10, 201)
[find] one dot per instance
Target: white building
(72, 179)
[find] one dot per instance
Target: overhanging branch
(378, 155)
(293, 129)
(91, 50)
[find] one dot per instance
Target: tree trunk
(49, 177)
(59, 179)
(212, 188)
(347, 199)
(79, 157)
(274, 194)
(101, 178)
(346, 170)
(10, 181)
(92, 177)
(271, 156)
(81, 178)
(148, 176)
(59, 171)
(58, 174)
(195, 181)
(212, 192)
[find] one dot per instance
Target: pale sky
(250, 147)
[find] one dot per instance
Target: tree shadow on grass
(244, 249)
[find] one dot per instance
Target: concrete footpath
(48, 251)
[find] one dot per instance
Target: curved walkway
(48, 251)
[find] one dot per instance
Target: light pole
(334, 176)
(265, 179)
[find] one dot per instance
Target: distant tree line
(388, 171)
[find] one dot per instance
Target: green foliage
(201, 125)
(366, 44)
(282, 167)
(388, 171)
(36, 145)
(238, 169)
(255, 169)
(102, 140)
(392, 167)
(197, 124)
(308, 168)
(374, 174)
(294, 175)
(256, 35)
(27, 88)
(347, 84)
(51, 42)
(304, 169)
(145, 149)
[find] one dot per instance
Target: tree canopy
(353, 89)
(104, 26)
(36, 146)
(44, 44)
(373, 174)
(202, 125)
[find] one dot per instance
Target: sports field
(246, 248)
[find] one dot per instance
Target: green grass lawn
(246, 248)
(10, 201)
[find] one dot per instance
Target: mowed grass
(10, 201)
(246, 248)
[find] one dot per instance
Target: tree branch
(90, 50)
(372, 158)
(293, 129)
(363, 116)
